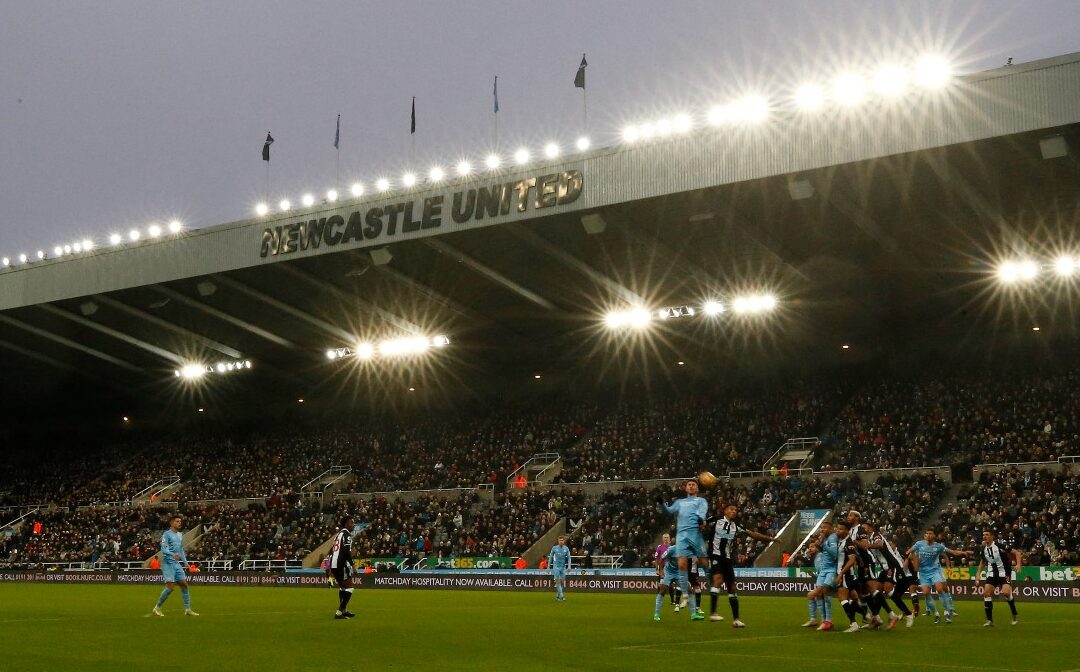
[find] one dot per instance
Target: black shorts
(900, 580)
(853, 582)
(881, 576)
(339, 575)
(998, 581)
(725, 568)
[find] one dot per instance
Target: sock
(693, 602)
(1012, 606)
(164, 596)
(915, 601)
(659, 601)
(348, 596)
(946, 600)
(930, 605)
(849, 609)
(861, 608)
(684, 586)
(875, 602)
(733, 600)
(898, 600)
(988, 607)
(187, 597)
(559, 589)
(826, 607)
(673, 590)
(811, 605)
(714, 597)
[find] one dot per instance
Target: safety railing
(598, 561)
(325, 479)
(545, 458)
(792, 444)
(154, 490)
(270, 565)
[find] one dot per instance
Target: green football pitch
(80, 627)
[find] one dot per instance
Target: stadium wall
(1016, 99)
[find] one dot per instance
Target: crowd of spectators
(978, 419)
(1037, 511)
(677, 437)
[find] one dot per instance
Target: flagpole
(268, 180)
(584, 111)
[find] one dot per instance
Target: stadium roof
(875, 226)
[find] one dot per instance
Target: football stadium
(787, 382)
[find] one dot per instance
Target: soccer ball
(707, 479)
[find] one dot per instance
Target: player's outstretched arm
(759, 536)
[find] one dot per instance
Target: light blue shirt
(172, 542)
(689, 512)
(823, 565)
(929, 554)
(830, 549)
(559, 557)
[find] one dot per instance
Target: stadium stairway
(191, 539)
(540, 549)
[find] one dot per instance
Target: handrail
(798, 441)
(631, 480)
(19, 518)
(338, 470)
(268, 565)
(398, 492)
(610, 561)
(540, 474)
(538, 457)
(801, 471)
(172, 480)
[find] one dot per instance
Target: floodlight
(582, 143)
(890, 80)
(1065, 266)
(440, 341)
(712, 308)
(1010, 272)
(408, 179)
(57, 251)
(76, 247)
(682, 123)
(154, 230)
(356, 189)
(87, 244)
(308, 200)
(382, 184)
(134, 234)
(41, 254)
(662, 313)
(630, 134)
(332, 196)
(115, 239)
(436, 174)
(615, 319)
(718, 114)
(5, 262)
(221, 368)
(933, 71)
(663, 126)
(551, 150)
(175, 226)
(192, 371)
(331, 354)
(809, 97)
(751, 110)
(284, 205)
(521, 156)
(22, 258)
(754, 303)
(365, 350)
(647, 130)
(261, 209)
(492, 161)
(849, 89)
(638, 318)
(464, 168)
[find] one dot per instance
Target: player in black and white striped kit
(341, 566)
(720, 534)
(895, 580)
(1000, 559)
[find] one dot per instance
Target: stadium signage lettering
(381, 223)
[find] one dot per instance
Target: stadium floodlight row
(848, 89)
(1017, 271)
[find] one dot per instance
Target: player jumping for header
(690, 513)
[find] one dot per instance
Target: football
(707, 479)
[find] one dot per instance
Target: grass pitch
(96, 627)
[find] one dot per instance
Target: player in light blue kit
(559, 564)
(926, 555)
(690, 513)
(826, 554)
(667, 568)
(173, 560)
